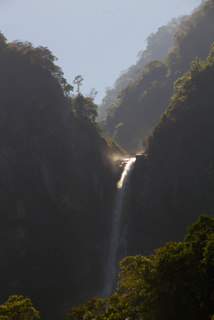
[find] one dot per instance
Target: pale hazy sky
(94, 38)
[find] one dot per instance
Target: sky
(95, 38)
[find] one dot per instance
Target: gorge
(69, 214)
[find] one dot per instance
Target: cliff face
(55, 188)
(158, 44)
(139, 106)
(172, 184)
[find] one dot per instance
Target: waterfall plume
(113, 258)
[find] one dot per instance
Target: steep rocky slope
(55, 188)
(173, 182)
(158, 44)
(140, 105)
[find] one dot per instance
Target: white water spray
(113, 259)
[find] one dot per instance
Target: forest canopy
(176, 282)
(139, 105)
(36, 56)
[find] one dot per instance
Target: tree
(39, 57)
(92, 94)
(78, 82)
(18, 308)
(2, 41)
(174, 283)
(84, 107)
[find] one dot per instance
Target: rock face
(173, 183)
(158, 44)
(140, 104)
(55, 188)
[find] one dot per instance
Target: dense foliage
(18, 308)
(158, 44)
(173, 182)
(55, 182)
(142, 102)
(84, 107)
(176, 282)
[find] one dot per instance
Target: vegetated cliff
(158, 44)
(55, 188)
(141, 103)
(173, 182)
(175, 282)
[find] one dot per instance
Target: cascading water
(113, 259)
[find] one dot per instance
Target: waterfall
(113, 259)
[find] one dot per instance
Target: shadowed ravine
(113, 258)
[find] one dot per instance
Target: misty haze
(107, 160)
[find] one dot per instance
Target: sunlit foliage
(176, 282)
(157, 47)
(140, 105)
(84, 107)
(18, 308)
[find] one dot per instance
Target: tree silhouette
(78, 82)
